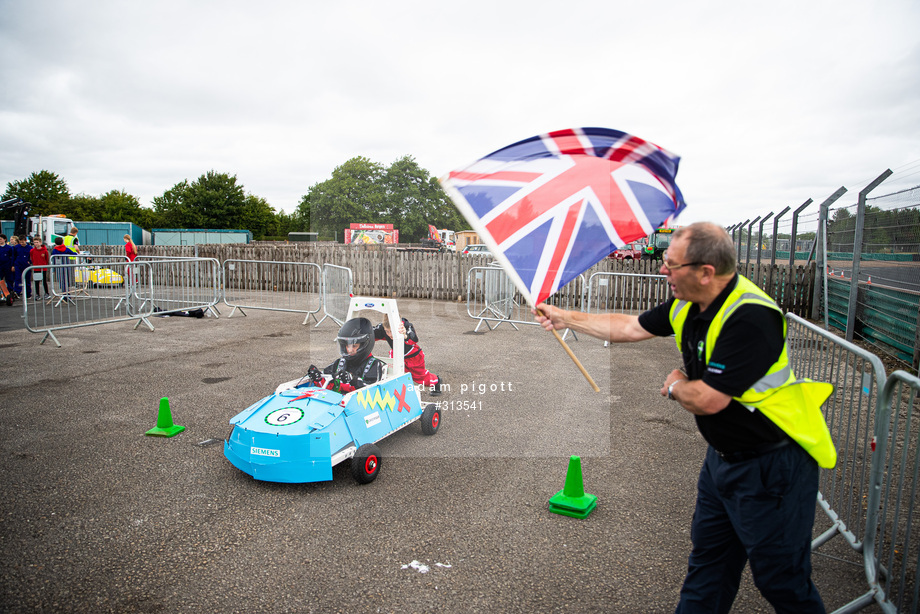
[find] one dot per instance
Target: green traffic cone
(572, 500)
(165, 426)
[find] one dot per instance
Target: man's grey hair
(710, 244)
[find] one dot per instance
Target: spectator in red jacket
(38, 256)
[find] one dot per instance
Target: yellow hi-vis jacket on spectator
(68, 242)
(793, 405)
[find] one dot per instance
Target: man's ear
(709, 274)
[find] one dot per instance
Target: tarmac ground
(97, 517)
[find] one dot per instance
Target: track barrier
(872, 495)
(276, 286)
(169, 285)
(492, 298)
(858, 377)
(338, 283)
(891, 552)
(83, 294)
(628, 293)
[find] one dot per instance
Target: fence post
(794, 236)
(747, 258)
(760, 245)
(773, 249)
(821, 248)
(741, 236)
(857, 252)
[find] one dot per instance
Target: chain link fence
(866, 248)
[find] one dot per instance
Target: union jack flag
(551, 206)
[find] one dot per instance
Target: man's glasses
(674, 267)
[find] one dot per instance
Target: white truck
(50, 226)
(46, 226)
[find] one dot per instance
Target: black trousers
(760, 511)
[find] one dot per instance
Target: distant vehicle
(658, 242)
(47, 227)
(476, 249)
(630, 251)
(442, 240)
(97, 276)
(448, 239)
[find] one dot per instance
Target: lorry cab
(50, 226)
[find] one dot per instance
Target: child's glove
(315, 376)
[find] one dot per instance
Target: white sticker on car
(265, 452)
(372, 419)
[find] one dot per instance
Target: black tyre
(431, 419)
(365, 464)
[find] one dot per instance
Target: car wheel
(365, 465)
(431, 419)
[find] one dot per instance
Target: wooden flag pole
(577, 362)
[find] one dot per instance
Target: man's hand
(695, 396)
(674, 376)
(549, 317)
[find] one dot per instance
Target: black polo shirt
(750, 342)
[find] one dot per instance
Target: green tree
(414, 199)
(353, 194)
(82, 207)
(171, 208)
(214, 200)
(403, 194)
(258, 217)
(47, 192)
(290, 222)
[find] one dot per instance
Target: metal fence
(95, 290)
(892, 546)
(338, 284)
(170, 285)
(273, 285)
(493, 300)
(872, 271)
(629, 293)
(81, 294)
(872, 496)
(868, 262)
(858, 377)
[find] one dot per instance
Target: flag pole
(577, 362)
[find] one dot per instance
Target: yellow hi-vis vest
(793, 405)
(68, 242)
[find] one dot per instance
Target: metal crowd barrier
(492, 297)
(169, 285)
(629, 293)
(337, 288)
(858, 377)
(891, 553)
(277, 286)
(80, 294)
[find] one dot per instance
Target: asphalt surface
(97, 517)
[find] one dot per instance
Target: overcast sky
(767, 104)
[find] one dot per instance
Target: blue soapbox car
(299, 433)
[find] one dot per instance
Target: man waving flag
(551, 206)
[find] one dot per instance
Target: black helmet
(360, 332)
